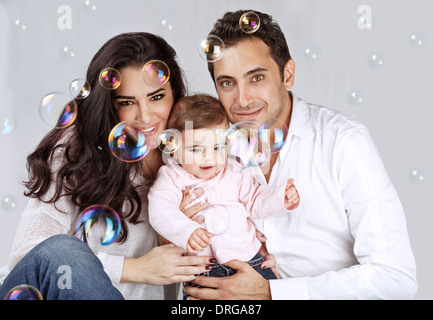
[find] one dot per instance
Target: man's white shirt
(348, 238)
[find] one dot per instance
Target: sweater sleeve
(261, 200)
(164, 214)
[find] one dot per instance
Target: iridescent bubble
(79, 88)
(272, 136)
(418, 40)
(104, 221)
(417, 176)
(312, 51)
(110, 79)
(211, 49)
(156, 73)
(68, 52)
(7, 122)
(129, 141)
(89, 4)
(166, 25)
(58, 110)
(249, 22)
(375, 60)
(169, 141)
(23, 292)
(9, 203)
(20, 25)
(356, 98)
(244, 143)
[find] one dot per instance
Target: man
(348, 239)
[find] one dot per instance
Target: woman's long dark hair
(88, 172)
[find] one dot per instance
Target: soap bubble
(375, 60)
(356, 98)
(156, 73)
(249, 22)
(7, 122)
(418, 40)
(110, 79)
(211, 49)
(272, 135)
(79, 88)
(129, 141)
(103, 219)
(417, 176)
(58, 110)
(169, 141)
(244, 143)
(9, 203)
(23, 292)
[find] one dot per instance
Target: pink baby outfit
(234, 196)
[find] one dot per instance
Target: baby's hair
(203, 110)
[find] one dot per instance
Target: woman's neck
(151, 164)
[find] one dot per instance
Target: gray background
(397, 99)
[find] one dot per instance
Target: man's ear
(289, 75)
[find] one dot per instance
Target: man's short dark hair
(228, 30)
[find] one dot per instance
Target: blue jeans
(220, 270)
(62, 268)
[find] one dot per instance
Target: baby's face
(203, 151)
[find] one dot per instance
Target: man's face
(249, 84)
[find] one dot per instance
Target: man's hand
(245, 284)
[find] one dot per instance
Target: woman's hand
(164, 265)
(189, 196)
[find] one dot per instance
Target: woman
(73, 168)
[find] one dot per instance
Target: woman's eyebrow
(155, 92)
(124, 97)
(132, 97)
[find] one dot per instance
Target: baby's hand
(291, 197)
(198, 240)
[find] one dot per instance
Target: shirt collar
(299, 123)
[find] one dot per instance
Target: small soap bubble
(312, 52)
(20, 25)
(356, 98)
(68, 52)
(110, 79)
(58, 110)
(169, 141)
(249, 22)
(375, 60)
(104, 221)
(23, 292)
(166, 25)
(9, 203)
(7, 122)
(156, 73)
(418, 40)
(79, 88)
(130, 141)
(90, 5)
(211, 49)
(417, 176)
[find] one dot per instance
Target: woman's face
(136, 100)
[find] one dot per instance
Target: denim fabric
(45, 267)
(220, 270)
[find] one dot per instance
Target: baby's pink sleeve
(164, 214)
(261, 200)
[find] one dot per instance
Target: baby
(201, 160)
